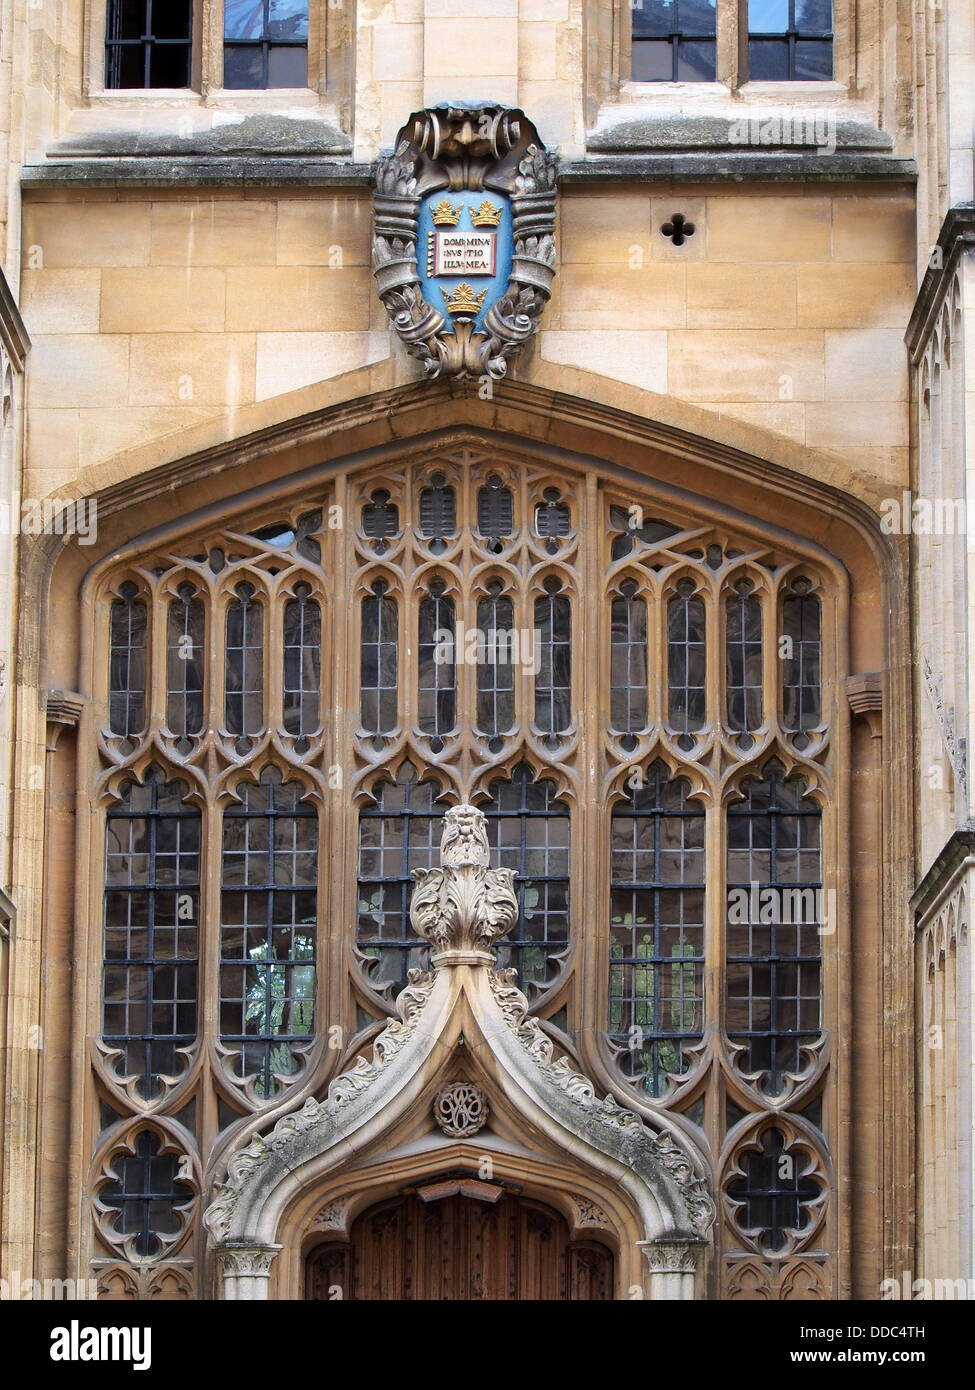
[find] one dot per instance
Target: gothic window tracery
(602, 675)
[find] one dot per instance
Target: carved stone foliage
(588, 1212)
(458, 149)
(463, 906)
(460, 1109)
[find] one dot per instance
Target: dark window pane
(695, 62)
(172, 19)
(768, 60)
(379, 662)
(169, 65)
(244, 668)
(184, 666)
(652, 18)
(146, 1193)
(438, 510)
(287, 66)
(653, 61)
(495, 509)
(814, 16)
(774, 1195)
(528, 831)
(243, 68)
(814, 60)
(126, 19)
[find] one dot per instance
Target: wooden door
(460, 1248)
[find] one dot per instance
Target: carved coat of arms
(464, 237)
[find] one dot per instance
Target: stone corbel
(865, 694)
(245, 1270)
(673, 1266)
(63, 711)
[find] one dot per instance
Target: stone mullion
(157, 692)
(274, 657)
(523, 609)
(771, 661)
(590, 850)
(337, 912)
(713, 659)
(465, 620)
(406, 613)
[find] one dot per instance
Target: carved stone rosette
(469, 148)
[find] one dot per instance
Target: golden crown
(444, 215)
(487, 215)
(464, 300)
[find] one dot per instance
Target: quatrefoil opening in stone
(678, 229)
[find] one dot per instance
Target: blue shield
(464, 253)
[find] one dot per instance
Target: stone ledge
(284, 171)
(957, 235)
(738, 166)
(194, 171)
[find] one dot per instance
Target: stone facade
(189, 317)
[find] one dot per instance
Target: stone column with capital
(673, 1266)
(245, 1271)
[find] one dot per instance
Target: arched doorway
(460, 1242)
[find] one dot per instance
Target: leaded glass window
(267, 931)
(151, 931)
(399, 831)
(496, 670)
(244, 698)
(127, 663)
(802, 639)
(790, 40)
(302, 622)
(673, 40)
(775, 917)
(148, 43)
(656, 991)
(265, 43)
(553, 679)
(185, 631)
(628, 689)
(686, 662)
(528, 830)
(743, 647)
(437, 691)
(379, 673)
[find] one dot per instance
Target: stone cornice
(684, 166)
(943, 873)
(13, 333)
(957, 235)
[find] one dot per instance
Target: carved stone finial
(464, 906)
